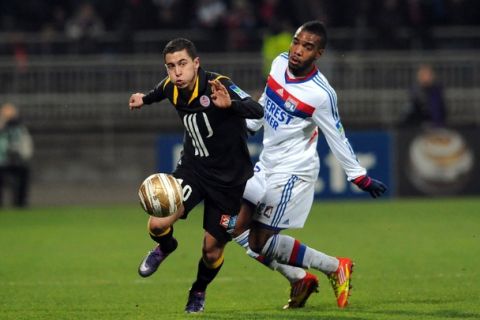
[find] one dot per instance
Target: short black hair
(316, 27)
(180, 44)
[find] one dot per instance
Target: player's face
(182, 69)
(304, 50)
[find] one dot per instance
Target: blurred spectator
(53, 29)
(235, 24)
(168, 12)
(85, 27)
(16, 150)
(427, 102)
(241, 24)
(420, 16)
(276, 41)
(209, 15)
(390, 19)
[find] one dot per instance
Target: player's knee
(259, 239)
(157, 225)
(211, 257)
(256, 246)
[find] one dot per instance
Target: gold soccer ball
(160, 195)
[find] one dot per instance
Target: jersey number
(187, 190)
(190, 122)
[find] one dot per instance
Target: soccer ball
(160, 195)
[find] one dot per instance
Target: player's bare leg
(208, 268)
(302, 283)
(287, 250)
(161, 231)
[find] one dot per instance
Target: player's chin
(181, 85)
(294, 66)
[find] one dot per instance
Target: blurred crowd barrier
(86, 137)
(81, 92)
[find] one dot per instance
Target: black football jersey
(215, 139)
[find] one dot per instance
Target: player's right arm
(254, 125)
(137, 100)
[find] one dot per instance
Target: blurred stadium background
(70, 66)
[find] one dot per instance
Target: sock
(288, 250)
(293, 274)
(166, 240)
(206, 273)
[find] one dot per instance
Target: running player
(215, 164)
(297, 101)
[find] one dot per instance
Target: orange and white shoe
(301, 290)
(340, 281)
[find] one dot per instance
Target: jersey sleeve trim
(331, 96)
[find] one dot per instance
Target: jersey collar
(199, 87)
(292, 79)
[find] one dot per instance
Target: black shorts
(220, 203)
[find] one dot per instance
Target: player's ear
(320, 52)
(196, 63)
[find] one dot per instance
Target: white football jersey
(294, 110)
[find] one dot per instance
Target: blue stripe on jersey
(284, 55)
(331, 96)
(281, 104)
(286, 196)
(327, 86)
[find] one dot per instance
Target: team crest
(291, 104)
(204, 101)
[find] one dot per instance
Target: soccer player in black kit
(215, 163)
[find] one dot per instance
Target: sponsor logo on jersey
(204, 101)
(274, 115)
(242, 94)
(227, 221)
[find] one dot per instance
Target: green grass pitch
(415, 259)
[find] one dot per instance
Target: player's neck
(301, 73)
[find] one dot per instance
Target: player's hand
(220, 96)
(374, 187)
(136, 101)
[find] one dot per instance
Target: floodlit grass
(415, 259)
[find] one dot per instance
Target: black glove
(374, 187)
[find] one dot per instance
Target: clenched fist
(136, 101)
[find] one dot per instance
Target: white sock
(242, 239)
(288, 250)
(293, 274)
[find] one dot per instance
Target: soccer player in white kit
(297, 101)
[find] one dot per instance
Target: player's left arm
(328, 120)
(225, 94)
